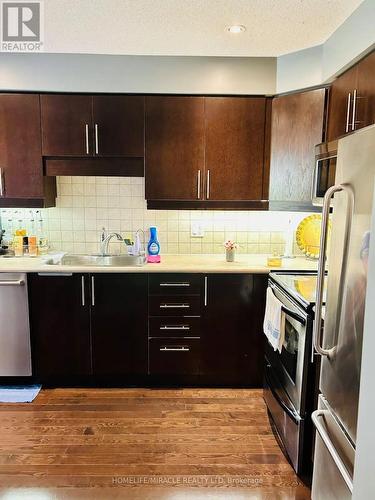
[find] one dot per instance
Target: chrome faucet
(104, 242)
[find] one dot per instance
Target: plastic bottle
(153, 247)
(41, 237)
(33, 241)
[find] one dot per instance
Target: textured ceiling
(191, 27)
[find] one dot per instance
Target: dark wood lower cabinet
(120, 327)
(60, 325)
(232, 339)
(175, 357)
(119, 324)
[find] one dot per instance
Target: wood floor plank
(123, 443)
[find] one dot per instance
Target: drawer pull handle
(167, 327)
(180, 349)
(174, 284)
(174, 306)
(12, 283)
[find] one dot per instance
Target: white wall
(194, 75)
(299, 69)
(320, 64)
(350, 41)
(143, 74)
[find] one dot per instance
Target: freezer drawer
(333, 457)
(15, 352)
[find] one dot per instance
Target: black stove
(300, 286)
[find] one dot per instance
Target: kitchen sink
(101, 260)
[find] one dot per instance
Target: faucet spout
(105, 242)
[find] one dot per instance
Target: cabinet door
(234, 148)
(21, 168)
(231, 339)
(341, 104)
(119, 324)
(366, 92)
(297, 126)
(60, 324)
(118, 125)
(174, 148)
(66, 125)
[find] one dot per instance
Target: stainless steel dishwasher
(15, 351)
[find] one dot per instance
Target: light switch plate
(197, 229)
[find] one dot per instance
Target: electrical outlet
(197, 229)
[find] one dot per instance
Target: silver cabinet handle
(92, 290)
(175, 284)
(354, 108)
(208, 185)
(87, 138)
(96, 139)
(316, 416)
(83, 290)
(2, 183)
(12, 283)
(182, 327)
(317, 332)
(199, 185)
(174, 306)
(348, 113)
(205, 290)
(181, 349)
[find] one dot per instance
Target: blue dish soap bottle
(153, 247)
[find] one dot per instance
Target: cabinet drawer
(174, 357)
(175, 284)
(174, 327)
(170, 305)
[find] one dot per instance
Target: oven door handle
(290, 411)
(289, 312)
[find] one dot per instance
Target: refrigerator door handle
(317, 332)
(316, 416)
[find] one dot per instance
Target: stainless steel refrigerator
(338, 338)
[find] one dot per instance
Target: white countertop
(200, 263)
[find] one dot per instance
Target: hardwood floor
(143, 444)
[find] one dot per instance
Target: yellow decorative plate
(308, 235)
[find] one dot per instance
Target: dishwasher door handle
(12, 283)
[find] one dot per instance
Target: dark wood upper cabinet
(60, 324)
(341, 104)
(204, 150)
(366, 89)
(297, 126)
(92, 126)
(66, 125)
(21, 169)
(352, 99)
(174, 163)
(118, 125)
(119, 324)
(234, 148)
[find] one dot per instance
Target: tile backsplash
(87, 204)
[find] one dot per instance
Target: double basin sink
(101, 260)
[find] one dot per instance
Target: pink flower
(230, 245)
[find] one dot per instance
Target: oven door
(290, 366)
